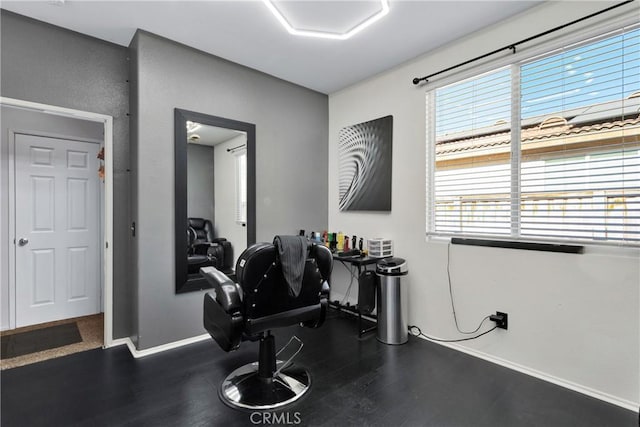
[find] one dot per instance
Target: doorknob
(23, 241)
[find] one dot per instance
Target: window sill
(624, 251)
(512, 244)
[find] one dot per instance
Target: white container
(380, 248)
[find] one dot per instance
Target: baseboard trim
(614, 400)
(158, 349)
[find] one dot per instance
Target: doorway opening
(79, 261)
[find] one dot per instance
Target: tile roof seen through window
(621, 115)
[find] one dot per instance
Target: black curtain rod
(229, 150)
(512, 46)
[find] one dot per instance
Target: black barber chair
(205, 249)
(260, 301)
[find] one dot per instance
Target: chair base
(245, 388)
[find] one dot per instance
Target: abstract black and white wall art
(364, 153)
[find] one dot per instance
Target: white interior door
(57, 223)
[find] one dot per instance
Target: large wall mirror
(214, 194)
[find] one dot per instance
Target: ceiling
(246, 32)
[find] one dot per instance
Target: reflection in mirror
(215, 190)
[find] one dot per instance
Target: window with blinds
(241, 187)
(472, 178)
(569, 171)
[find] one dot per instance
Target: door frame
(107, 204)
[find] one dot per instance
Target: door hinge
(106, 245)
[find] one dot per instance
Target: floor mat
(38, 340)
(91, 330)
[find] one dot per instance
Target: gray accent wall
(46, 64)
(291, 171)
(133, 179)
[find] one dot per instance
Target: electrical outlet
(501, 319)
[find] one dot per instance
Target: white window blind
(241, 186)
(580, 173)
(573, 171)
(472, 174)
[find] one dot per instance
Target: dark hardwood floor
(355, 382)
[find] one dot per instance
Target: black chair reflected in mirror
(263, 299)
(207, 250)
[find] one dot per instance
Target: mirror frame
(183, 283)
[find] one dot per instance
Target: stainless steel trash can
(392, 301)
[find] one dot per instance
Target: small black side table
(361, 264)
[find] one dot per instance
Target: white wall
(573, 319)
(225, 190)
